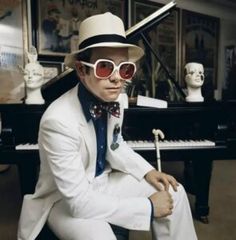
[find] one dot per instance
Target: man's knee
(179, 196)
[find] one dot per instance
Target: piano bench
(46, 233)
(121, 233)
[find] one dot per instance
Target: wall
(227, 29)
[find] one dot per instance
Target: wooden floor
(10, 203)
(222, 224)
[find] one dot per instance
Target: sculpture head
(33, 75)
(33, 71)
(194, 75)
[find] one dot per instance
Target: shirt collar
(86, 99)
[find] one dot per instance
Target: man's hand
(159, 179)
(162, 204)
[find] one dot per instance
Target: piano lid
(150, 20)
(140, 31)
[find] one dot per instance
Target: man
(89, 177)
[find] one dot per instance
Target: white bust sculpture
(34, 78)
(194, 78)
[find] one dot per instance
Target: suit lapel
(89, 137)
(87, 132)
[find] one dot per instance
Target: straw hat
(103, 30)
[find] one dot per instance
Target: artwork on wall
(13, 44)
(229, 87)
(58, 22)
(163, 38)
(200, 35)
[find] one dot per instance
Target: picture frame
(151, 79)
(13, 45)
(200, 39)
(56, 24)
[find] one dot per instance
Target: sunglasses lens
(127, 70)
(104, 69)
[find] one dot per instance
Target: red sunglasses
(104, 68)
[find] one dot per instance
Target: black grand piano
(196, 133)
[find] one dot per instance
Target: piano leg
(198, 176)
(28, 173)
(202, 176)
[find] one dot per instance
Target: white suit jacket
(67, 147)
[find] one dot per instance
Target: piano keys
(144, 145)
(27, 147)
(187, 127)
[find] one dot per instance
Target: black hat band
(102, 38)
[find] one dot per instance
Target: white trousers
(178, 226)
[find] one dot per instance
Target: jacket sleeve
(127, 160)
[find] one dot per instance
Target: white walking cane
(157, 133)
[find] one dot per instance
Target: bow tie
(97, 109)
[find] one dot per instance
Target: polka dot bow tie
(112, 108)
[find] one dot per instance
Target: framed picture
(200, 35)
(13, 44)
(163, 38)
(58, 22)
(229, 83)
